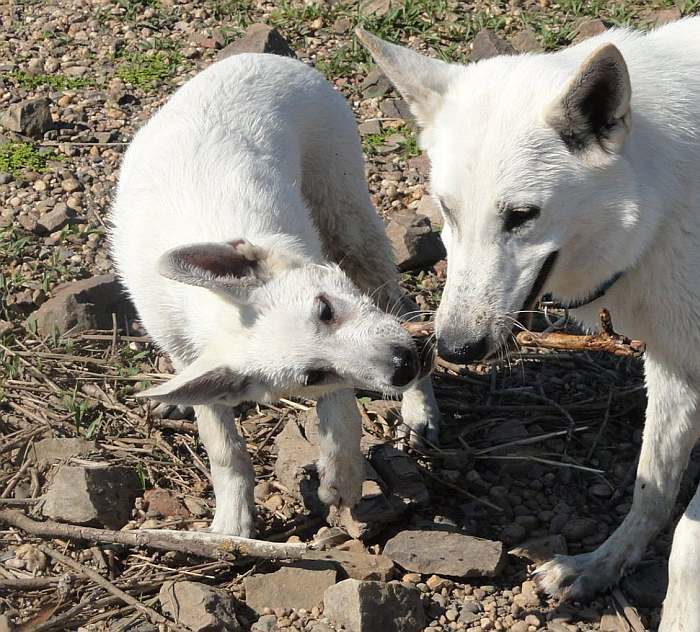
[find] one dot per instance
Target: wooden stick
(152, 615)
(607, 341)
(616, 345)
(203, 544)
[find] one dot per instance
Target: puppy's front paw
(341, 480)
(235, 514)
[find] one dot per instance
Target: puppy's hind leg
(231, 471)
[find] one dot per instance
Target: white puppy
(244, 233)
(576, 173)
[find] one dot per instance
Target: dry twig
(152, 615)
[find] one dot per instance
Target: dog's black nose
(466, 353)
(406, 365)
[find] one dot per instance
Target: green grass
(17, 157)
(133, 7)
(148, 69)
(57, 82)
(408, 148)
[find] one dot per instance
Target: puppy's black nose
(466, 353)
(406, 365)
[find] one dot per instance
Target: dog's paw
(234, 517)
(419, 423)
(341, 480)
(172, 411)
(576, 578)
(239, 523)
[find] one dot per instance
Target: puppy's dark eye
(325, 310)
(517, 216)
(314, 377)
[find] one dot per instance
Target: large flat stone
(82, 305)
(374, 606)
(289, 587)
(199, 607)
(98, 493)
(445, 553)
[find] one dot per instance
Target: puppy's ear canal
(594, 109)
(234, 267)
(420, 80)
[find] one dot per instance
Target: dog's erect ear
(234, 267)
(420, 80)
(595, 106)
(203, 382)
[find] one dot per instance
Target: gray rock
(364, 566)
(341, 25)
(95, 493)
(60, 449)
(528, 597)
(646, 586)
(431, 209)
(487, 44)
(289, 587)
(375, 84)
(414, 242)
(5, 178)
(82, 305)
(377, 8)
(664, 16)
(445, 553)
(266, 623)
(578, 528)
(526, 42)
(611, 623)
(396, 109)
(31, 118)
(374, 606)
(400, 473)
(199, 607)
(258, 38)
(368, 128)
(295, 468)
(589, 28)
(54, 220)
(539, 550)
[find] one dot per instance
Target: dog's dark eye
(314, 377)
(325, 310)
(517, 216)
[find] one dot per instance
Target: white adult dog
(577, 173)
(245, 235)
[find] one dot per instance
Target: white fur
(630, 202)
(235, 205)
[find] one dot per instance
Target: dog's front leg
(341, 466)
(231, 471)
(671, 430)
(682, 605)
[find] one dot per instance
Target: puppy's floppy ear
(594, 109)
(235, 267)
(203, 382)
(420, 80)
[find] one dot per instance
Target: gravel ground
(534, 444)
